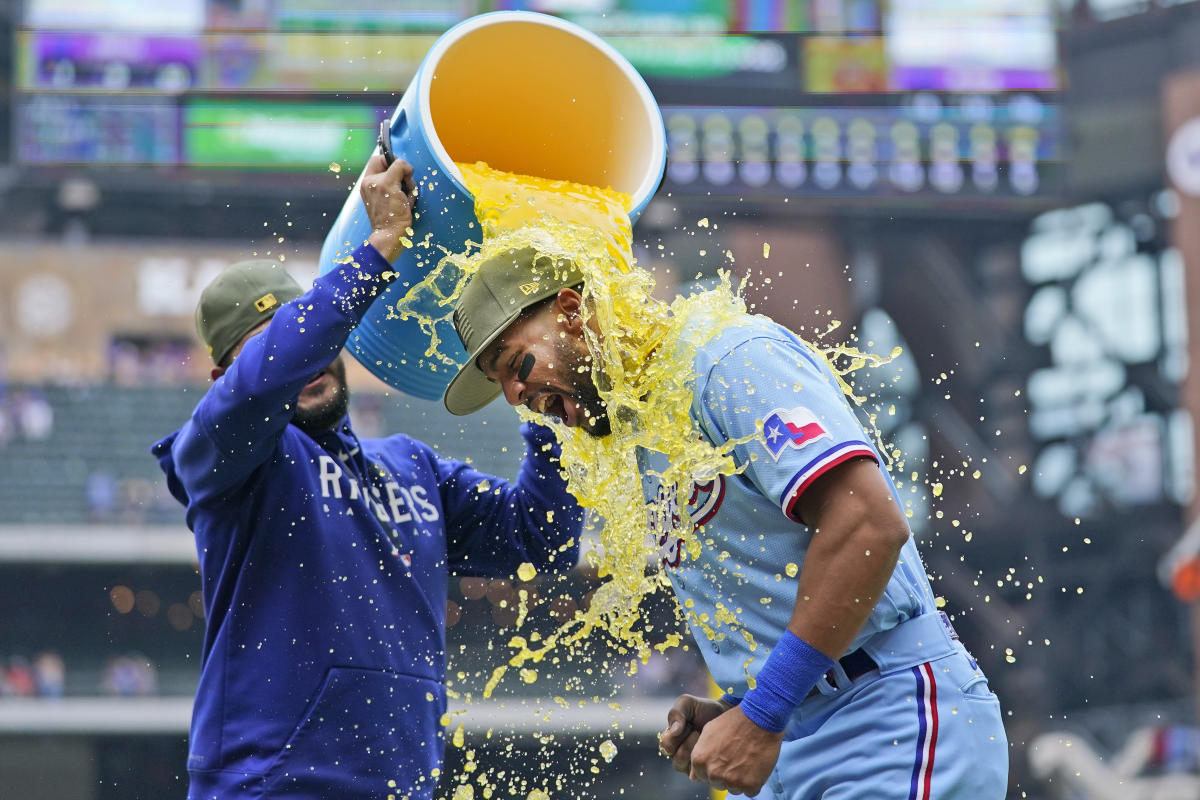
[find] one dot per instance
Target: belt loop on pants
(845, 671)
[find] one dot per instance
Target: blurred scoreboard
(64, 129)
(839, 98)
(978, 146)
(275, 134)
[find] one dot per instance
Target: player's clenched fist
(389, 194)
(685, 720)
(735, 754)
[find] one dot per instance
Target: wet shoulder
(743, 336)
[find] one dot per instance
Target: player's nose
(514, 391)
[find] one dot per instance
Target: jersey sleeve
(807, 424)
(492, 525)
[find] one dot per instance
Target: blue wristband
(791, 671)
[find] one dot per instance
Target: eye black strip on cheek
(526, 367)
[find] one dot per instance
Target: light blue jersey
(752, 545)
(922, 724)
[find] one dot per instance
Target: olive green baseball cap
(239, 298)
(502, 287)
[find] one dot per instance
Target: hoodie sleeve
(237, 424)
(493, 526)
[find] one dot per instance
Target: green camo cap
(239, 298)
(502, 287)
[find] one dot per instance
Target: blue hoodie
(325, 561)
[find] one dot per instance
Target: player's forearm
(846, 569)
(858, 531)
(845, 573)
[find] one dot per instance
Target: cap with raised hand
(238, 299)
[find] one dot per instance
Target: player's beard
(329, 409)
(576, 372)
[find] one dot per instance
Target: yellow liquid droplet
(335, 167)
(791, 570)
(608, 750)
(937, 490)
(526, 571)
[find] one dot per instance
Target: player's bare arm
(858, 533)
(389, 194)
(858, 530)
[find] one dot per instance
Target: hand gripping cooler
(527, 93)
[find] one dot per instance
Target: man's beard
(327, 414)
(577, 373)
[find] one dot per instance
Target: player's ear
(569, 302)
(217, 372)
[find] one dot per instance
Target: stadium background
(1007, 189)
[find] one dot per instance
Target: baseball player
(807, 599)
(324, 557)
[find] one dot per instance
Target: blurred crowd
(44, 675)
(25, 414)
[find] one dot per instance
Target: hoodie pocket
(364, 729)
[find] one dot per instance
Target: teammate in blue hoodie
(324, 557)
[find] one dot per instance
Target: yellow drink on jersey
(647, 398)
(645, 376)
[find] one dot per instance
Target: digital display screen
(750, 60)
(945, 97)
(983, 151)
(66, 129)
(278, 134)
(654, 16)
(372, 15)
(296, 61)
(174, 17)
(845, 65)
(107, 61)
(984, 45)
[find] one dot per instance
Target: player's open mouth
(551, 405)
(315, 380)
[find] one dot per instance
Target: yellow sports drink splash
(643, 369)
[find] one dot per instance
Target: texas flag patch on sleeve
(795, 428)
